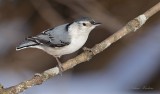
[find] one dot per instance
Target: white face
(82, 27)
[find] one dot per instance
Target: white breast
(77, 41)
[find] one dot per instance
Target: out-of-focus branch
(131, 26)
(86, 7)
(47, 12)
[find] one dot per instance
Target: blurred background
(131, 65)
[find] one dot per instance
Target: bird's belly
(75, 45)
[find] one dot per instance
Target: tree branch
(131, 26)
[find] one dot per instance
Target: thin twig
(131, 26)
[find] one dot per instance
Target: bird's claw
(60, 69)
(38, 74)
(87, 49)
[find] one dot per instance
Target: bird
(63, 39)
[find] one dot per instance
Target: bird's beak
(96, 24)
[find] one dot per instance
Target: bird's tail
(29, 42)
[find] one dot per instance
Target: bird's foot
(87, 49)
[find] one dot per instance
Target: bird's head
(83, 25)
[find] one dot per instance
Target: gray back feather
(54, 37)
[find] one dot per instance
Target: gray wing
(54, 37)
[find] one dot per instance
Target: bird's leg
(59, 65)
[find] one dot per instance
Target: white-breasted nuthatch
(63, 39)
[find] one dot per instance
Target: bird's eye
(84, 24)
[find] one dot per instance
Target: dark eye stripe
(92, 22)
